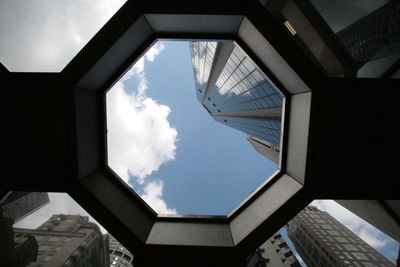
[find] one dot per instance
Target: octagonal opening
(167, 134)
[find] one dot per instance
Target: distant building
(237, 93)
(323, 241)
(119, 255)
(266, 149)
(17, 205)
(374, 36)
(275, 253)
(67, 240)
(15, 253)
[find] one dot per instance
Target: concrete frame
(58, 130)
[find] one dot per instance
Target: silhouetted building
(374, 36)
(363, 41)
(15, 253)
(274, 252)
(119, 255)
(67, 240)
(235, 92)
(323, 241)
(18, 205)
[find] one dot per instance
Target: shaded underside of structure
(339, 140)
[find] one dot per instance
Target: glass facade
(344, 38)
(240, 86)
(119, 255)
(338, 247)
(202, 59)
(267, 130)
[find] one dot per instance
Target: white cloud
(154, 51)
(153, 197)
(45, 35)
(138, 68)
(364, 230)
(60, 203)
(140, 138)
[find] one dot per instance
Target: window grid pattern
(119, 255)
(242, 86)
(266, 130)
(202, 59)
(20, 204)
(340, 248)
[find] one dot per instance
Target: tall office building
(323, 241)
(18, 205)
(236, 92)
(15, 253)
(374, 36)
(274, 252)
(119, 255)
(67, 240)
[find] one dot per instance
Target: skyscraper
(236, 92)
(273, 252)
(67, 240)
(374, 36)
(15, 252)
(323, 241)
(119, 255)
(18, 205)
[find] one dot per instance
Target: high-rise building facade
(273, 252)
(323, 241)
(236, 92)
(67, 240)
(119, 255)
(15, 253)
(18, 205)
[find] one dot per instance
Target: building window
(350, 247)
(333, 232)
(39, 237)
(368, 264)
(44, 247)
(360, 256)
(341, 239)
(326, 226)
(48, 258)
(54, 239)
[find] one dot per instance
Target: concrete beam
(270, 114)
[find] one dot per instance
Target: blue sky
(34, 44)
(210, 168)
(213, 167)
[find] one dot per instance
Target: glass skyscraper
(236, 92)
(321, 240)
(17, 205)
(119, 255)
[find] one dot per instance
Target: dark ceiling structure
(340, 135)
